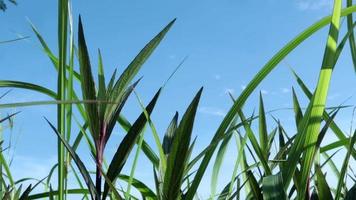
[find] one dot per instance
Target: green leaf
(177, 159)
(322, 186)
(133, 68)
(263, 128)
(350, 27)
(29, 86)
(25, 194)
(87, 83)
(351, 194)
(273, 187)
(255, 188)
(141, 187)
(169, 136)
(334, 127)
(297, 110)
(217, 164)
(79, 163)
(127, 144)
(310, 125)
(47, 194)
(344, 167)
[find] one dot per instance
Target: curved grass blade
(53, 193)
(140, 186)
(29, 86)
(217, 165)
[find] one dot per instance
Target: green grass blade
(79, 163)
(47, 194)
(334, 127)
(147, 150)
(255, 145)
(297, 110)
(134, 67)
(263, 128)
(273, 187)
(25, 194)
(255, 188)
(61, 92)
(87, 83)
(178, 158)
(352, 36)
(28, 86)
(127, 144)
(324, 191)
(169, 135)
(309, 133)
(344, 167)
(140, 186)
(217, 165)
(351, 194)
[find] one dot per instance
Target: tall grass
(294, 170)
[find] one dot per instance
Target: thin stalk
(61, 92)
(133, 168)
(69, 86)
(99, 164)
(137, 153)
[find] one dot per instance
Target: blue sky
(226, 42)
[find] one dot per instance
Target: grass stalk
(61, 91)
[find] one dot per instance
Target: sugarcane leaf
(177, 159)
(351, 194)
(323, 188)
(83, 170)
(140, 186)
(127, 144)
(344, 167)
(263, 127)
(28, 86)
(25, 194)
(273, 187)
(255, 188)
(133, 68)
(169, 135)
(87, 83)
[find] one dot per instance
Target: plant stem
(62, 49)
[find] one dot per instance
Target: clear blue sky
(227, 43)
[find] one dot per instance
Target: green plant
(294, 169)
